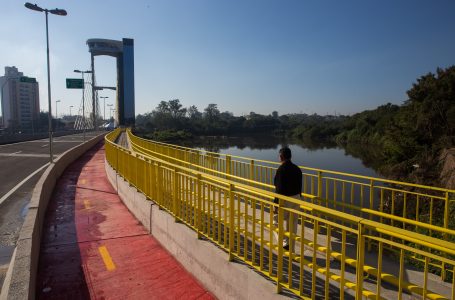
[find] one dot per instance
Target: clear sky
(244, 55)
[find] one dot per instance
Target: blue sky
(290, 56)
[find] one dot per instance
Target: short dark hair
(285, 152)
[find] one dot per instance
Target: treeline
(412, 135)
(171, 120)
(403, 136)
(172, 116)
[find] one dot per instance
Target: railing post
(159, 185)
(175, 196)
(360, 260)
(228, 164)
(136, 171)
(128, 167)
(116, 159)
(446, 226)
(319, 184)
(199, 206)
(231, 222)
(197, 160)
(146, 177)
(279, 272)
(371, 207)
(153, 182)
(252, 169)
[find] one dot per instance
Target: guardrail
(409, 206)
(349, 193)
(332, 254)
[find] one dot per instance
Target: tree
(211, 112)
(194, 113)
(163, 107)
(175, 109)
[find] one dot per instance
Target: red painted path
(93, 247)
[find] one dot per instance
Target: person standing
(288, 182)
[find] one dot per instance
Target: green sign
(72, 83)
(27, 79)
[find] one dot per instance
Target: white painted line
(44, 140)
(44, 145)
(12, 154)
(18, 143)
(25, 155)
(21, 183)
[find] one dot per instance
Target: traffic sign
(73, 83)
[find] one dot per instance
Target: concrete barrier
(207, 263)
(20, 281)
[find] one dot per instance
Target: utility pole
(104, 107)
(93, 93)
(59, 12)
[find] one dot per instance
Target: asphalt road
(17, 162)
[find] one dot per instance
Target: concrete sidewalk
(92, 247)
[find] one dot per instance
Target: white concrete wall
(208, 263)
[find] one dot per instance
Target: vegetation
(403, 136)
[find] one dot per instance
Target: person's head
(285, 154)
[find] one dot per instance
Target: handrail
(238, 218)
(302, 167)
(355, 197)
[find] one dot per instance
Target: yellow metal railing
(331, 258)
(363, 196)
(409, 206)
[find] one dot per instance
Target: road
(21, 165)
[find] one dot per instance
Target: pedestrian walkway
(93, 247)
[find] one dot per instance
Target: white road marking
(24, 155)
(44, 145)
(56, 141)
(12, 154)
(18, 143)
(21, 183)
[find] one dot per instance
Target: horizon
(255, 56)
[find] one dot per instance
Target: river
(314, 155)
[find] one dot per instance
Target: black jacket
(288, 179)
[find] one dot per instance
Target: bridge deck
(92, 247)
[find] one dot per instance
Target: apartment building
(20, 101)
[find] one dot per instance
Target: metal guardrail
(350, 193)
(336, 254)
(400, 204)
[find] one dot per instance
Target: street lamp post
(110, 112)
(104, 107)
(83, 98)
(113, 110)
(56, 113)
(59, 12)
(56, 108)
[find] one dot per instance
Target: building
(20, 101)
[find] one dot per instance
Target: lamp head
(79, 71)
(58, 12)
(33, 7)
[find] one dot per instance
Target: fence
(332, 254)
